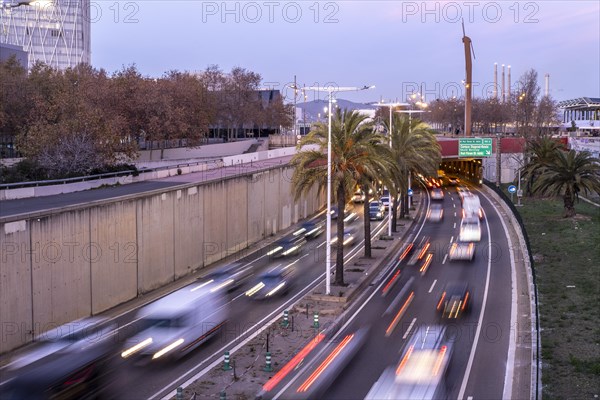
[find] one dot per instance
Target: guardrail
(136, 172)
(515, 211)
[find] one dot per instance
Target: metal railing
(136, 172)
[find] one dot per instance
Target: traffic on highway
(432, 324)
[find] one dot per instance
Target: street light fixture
(410, 113)
(391, 106)
(331, 90)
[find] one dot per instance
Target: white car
(470, 230)
(435, 213)
(472, 206)
(359, 197)
(461, 251)
(437, 194)
(385, 200)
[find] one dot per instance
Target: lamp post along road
(390, 106)
(331, 90)
(410, 113)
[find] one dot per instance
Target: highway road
(478, 366)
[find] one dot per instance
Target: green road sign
(474, 147)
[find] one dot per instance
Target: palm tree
(542, 152)
(416, 150)
(568, 174)
(356, 152)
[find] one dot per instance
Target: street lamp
(410, 113)
(331, 90)
(391, 106)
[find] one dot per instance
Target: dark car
(454, 300)
(376, 210)
(230, 276)
(310, 229)
(275, 282)
(288, 245)
(68, 362)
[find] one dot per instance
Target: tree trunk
(339, 263)
(367, 222)
(569, 204)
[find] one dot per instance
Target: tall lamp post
(390, 106)
(410, 113)
(331, 90)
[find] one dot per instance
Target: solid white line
(432, 285)
(463, 386)
(445, 257)
(409, 328)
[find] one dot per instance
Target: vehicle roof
(180, 301)
(453, 288)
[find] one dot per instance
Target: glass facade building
(55, 32)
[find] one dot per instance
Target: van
(178, 323)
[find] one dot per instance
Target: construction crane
(468, 80)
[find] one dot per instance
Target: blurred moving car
(419, 251)
(359, 197)
(67, 362)
(350, 217)
(462, 192)
(461, 251)
(470, 229)
(349, 237)
(471, 205)
(376, 210)
(334, 211)
(311, 229)
(176, 324)
(288, 245)
(454, 300)
(421, 372)
(435, 213)
(385, 200)
(453, 180)
(276, 281)
(437, 194)
(229, 277)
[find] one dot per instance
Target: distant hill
(313, 108)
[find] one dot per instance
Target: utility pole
(498, 160)
(468, 80)
(295, 95)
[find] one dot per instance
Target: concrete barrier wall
(16, 300)
(204, 151)
(66, 265)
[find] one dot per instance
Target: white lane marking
(454, 227)
(265, 325)
(445, 257)
(432, 285)
(463, 386)
(454, 205)
(340, 331)
(409, 328)
(455, 214)
(451, 239)
(469, 397)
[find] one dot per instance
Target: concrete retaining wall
(86, 259)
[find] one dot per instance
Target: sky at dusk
(398, 46)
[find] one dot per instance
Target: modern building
(55, 32)
(584, 112)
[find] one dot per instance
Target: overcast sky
(395, 45)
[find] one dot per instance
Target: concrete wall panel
(16, 306)
(272, 208)
(256, 207)
(155, 241)
(215, 221)
(236, 203)
(189, 231)
(61, 278)
(114, 263)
